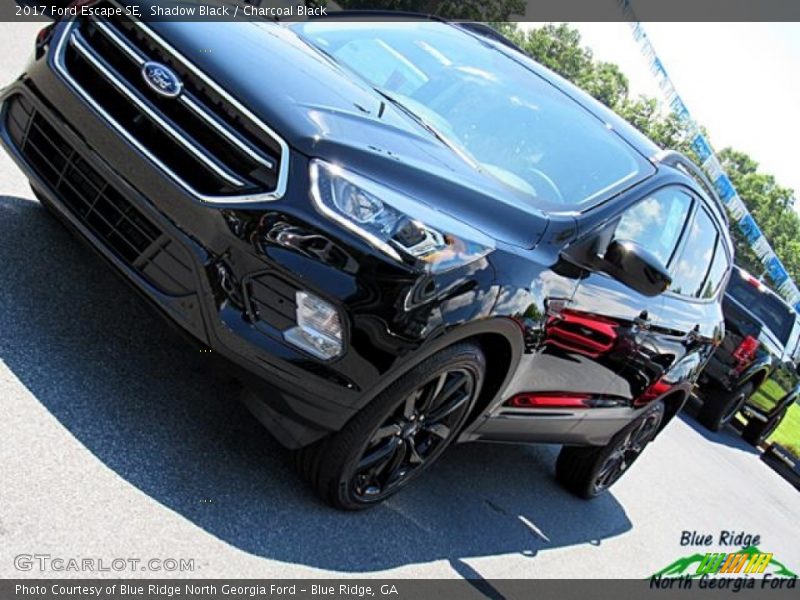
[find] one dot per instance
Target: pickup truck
(755, 369)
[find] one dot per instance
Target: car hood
(323, 111)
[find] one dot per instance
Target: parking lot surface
(119, 440)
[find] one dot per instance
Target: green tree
(771, 205)
(668, 131)
(558, 47)
(607, 83)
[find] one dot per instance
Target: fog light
(318, 330)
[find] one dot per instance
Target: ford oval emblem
(162, 79)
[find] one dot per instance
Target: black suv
(755, 369)
(403, 234)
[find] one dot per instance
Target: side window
(656, 222)
(690, 270)
(719, 266)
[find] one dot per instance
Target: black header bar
(378, 10)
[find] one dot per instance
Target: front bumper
(170, 268)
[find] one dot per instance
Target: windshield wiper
(425, 124)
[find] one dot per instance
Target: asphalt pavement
(119, 440)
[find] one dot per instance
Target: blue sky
(740, 80)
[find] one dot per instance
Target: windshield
(768, 308)
(503, 118)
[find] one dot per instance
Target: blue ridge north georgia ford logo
(162, 79)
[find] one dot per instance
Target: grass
(768, 395)
(788, 432)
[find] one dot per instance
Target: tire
(587, 472)
(720, 406)
(756, 432)
(398, 435)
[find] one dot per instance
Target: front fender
(486, 331)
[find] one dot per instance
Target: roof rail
(676, 160)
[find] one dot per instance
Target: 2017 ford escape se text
(404, 234)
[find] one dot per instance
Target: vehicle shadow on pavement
(727, 436)
(151, 408)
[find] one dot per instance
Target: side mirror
(636, 267)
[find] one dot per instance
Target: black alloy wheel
(628, 449)
(587, 472)
(423, 422)
(399, 434)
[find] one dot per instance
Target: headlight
(394, 223)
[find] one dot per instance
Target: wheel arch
(502, 342)
(756, 376)
(673, 401)
(499, 355)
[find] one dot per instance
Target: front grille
(203, 138)
(113, 220)
(270, 303)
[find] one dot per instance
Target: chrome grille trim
(186, 98)
(212, 120)
(133, 53)
(79, 43)
(283, 169)
(224, 130)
